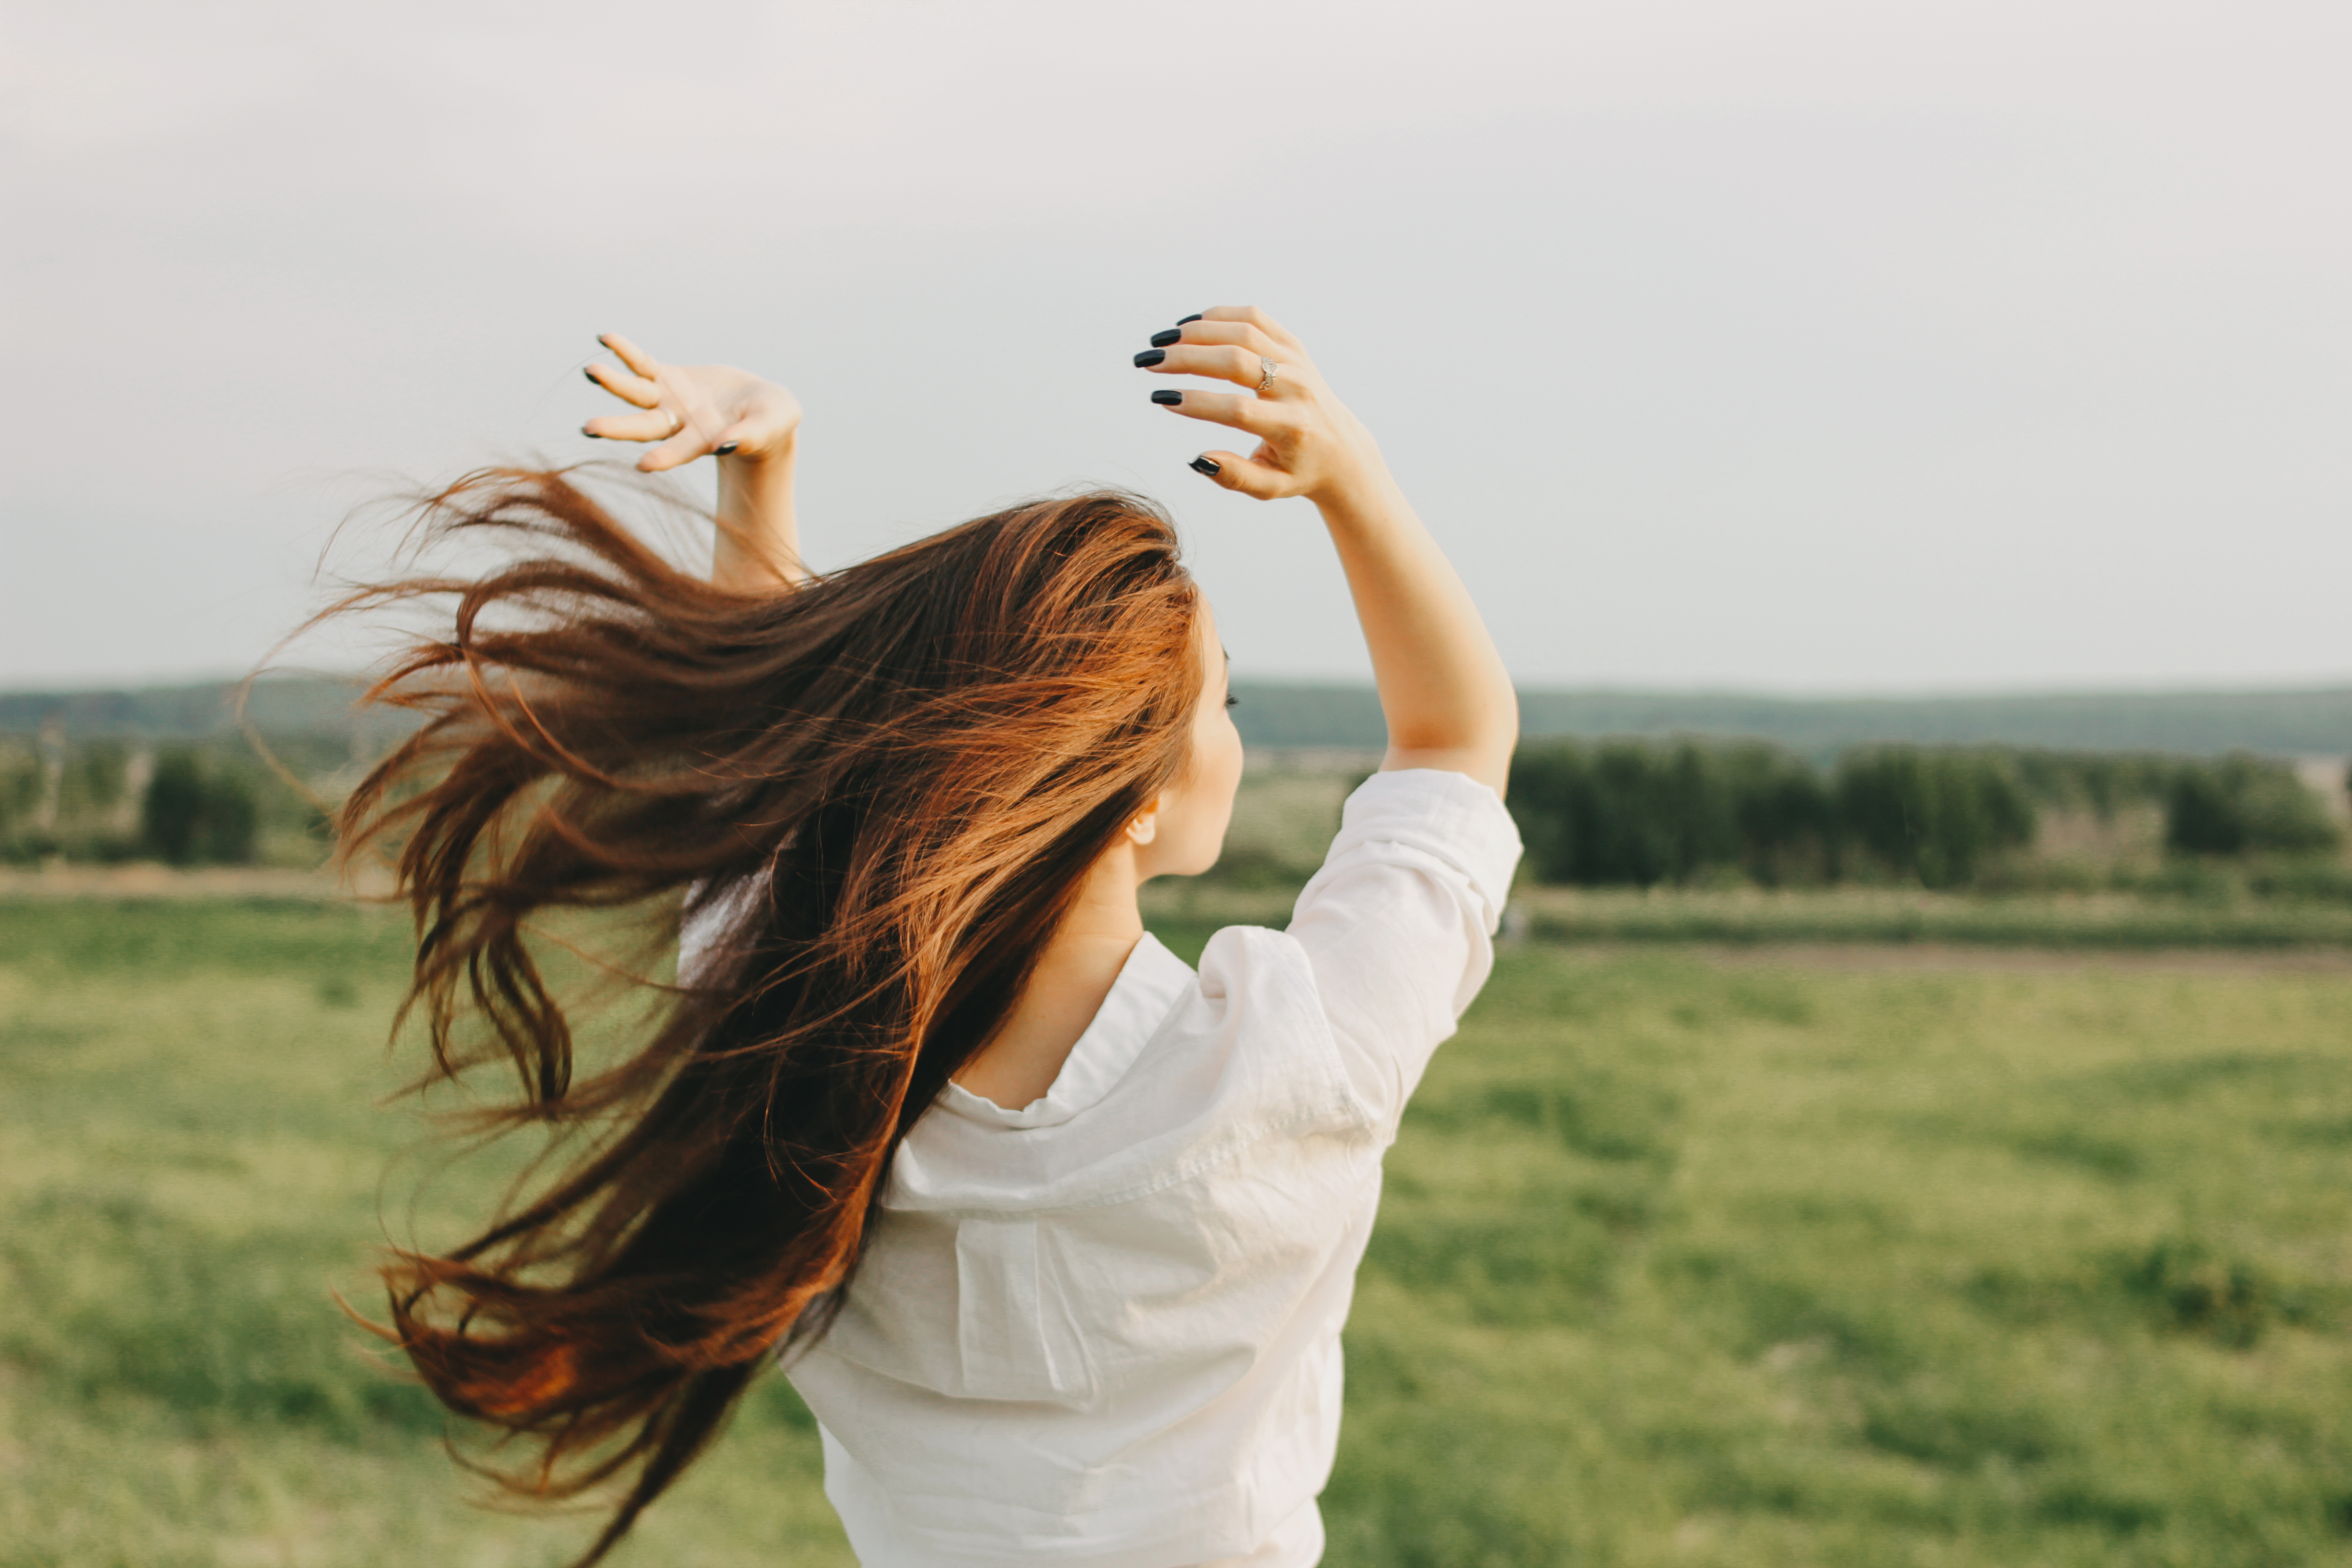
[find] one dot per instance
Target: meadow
(1688, 1256)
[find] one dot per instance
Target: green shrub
(1642, 813)
(20, 792)
(2099, 782)
(197, 814)
(1623, 812)
(2242, 804)
(94, 778)
(1634, 813)
(1787, 821)
(1936, 815)
(2301, 876)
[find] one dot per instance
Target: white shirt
(1104, 1329)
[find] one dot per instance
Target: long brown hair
(884, 785)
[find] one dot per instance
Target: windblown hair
(882, 786)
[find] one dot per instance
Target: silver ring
(675, 424)
(1271, 370)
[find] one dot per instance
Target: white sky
(1848, 346)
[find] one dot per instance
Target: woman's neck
(1080, 963)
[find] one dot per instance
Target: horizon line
(2279, 687)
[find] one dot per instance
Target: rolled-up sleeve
(1397, 924)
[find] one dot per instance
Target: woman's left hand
(692, 409)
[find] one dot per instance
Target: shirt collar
(1141, 999)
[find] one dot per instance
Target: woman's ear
(1145, 826)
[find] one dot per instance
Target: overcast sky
(1832, 346)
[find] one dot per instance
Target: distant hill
(1280, 714)
(285, 705)
(2281, 723)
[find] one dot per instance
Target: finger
(1231, 470)
(1242, 367)
(657, 425)
(634, 389)
(636, 358)
(1254, 415)
(1237, 334)
(1250, 315)
(681, 448)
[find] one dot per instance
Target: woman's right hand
(693, 409)
(1308, 443)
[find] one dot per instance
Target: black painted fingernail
(1188, 319)
(1149, 358)
(590, 434)
(1206, 466)
(1172, 335)
(592, 378)
(1167, 397)
(730, 445)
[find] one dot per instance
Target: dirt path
(1924, 956)
(145, 879)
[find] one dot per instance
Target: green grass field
(1682, 1261)
(2112, 920)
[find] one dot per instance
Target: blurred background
(1809, 345)
(1900, 450)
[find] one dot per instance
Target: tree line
(1634, 813)
(185, 803)
(1644, 813)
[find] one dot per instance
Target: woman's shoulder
(1435, 810)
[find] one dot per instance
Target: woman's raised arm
(1444, 690)
(750, 425)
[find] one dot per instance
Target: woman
(1055, 1235)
